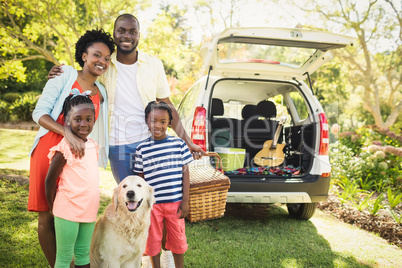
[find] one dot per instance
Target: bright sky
(257, 13)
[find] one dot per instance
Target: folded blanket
(284, 171)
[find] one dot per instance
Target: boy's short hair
(161, 105)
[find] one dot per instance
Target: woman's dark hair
(89, 38)
(161, 105)
(74, 100)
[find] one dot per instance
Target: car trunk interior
(248, 113)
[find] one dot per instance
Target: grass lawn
(248, 236)
(14, 148)
(240, 239)
(19, 246)
(273, 240)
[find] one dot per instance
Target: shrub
(10, 97)
(352, 140)
(376, 164)
(4, 111)
(33, 93)
(344, 165)
(23, 107)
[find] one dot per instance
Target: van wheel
(301, 211)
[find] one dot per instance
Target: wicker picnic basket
(208, 191)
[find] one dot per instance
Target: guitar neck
(276, 137)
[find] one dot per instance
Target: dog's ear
(115, 197)
(151, 197)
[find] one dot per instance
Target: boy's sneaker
(146, 262)
(167, 260)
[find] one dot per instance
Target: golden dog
(121, 232)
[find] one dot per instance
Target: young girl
(93, 51)
(162, 161)
(74, 201)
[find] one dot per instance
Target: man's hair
(126, 16)
(160, 105)
(88, 39)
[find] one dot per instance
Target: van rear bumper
(310, 189)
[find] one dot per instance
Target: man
(132, 81)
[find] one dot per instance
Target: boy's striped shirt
(162, 161)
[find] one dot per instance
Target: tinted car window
(233, 109)
(280, 55)
(188, 103)
(300, 105)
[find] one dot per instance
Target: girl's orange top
(77, 196)
(39, 164)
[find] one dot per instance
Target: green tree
(168, 39)
(329, 84)
(35, 72)
(48, 29)
(373, 73)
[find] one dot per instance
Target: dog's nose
(130, 194)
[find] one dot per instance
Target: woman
(93, 51)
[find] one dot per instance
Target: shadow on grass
(260, 236)
(19, 245)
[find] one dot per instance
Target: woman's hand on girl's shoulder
(77, 145)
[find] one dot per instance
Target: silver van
(253, 100)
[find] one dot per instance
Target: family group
(116, 108)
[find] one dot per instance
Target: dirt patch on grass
(28, 125)
(15, 178)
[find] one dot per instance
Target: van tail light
(324, 134)
(198, 129)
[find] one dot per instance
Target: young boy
(162, 160)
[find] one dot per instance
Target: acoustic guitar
(272, 153)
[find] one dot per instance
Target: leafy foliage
(10, 97)
(35, 73)
(373, 73)
(376, 161)
(364, 204)
(366, 165)
(394, 198)
(376, 205)
(4, 111)
(395, 216)
(179, 56)
(351, 140)
(48, 29)
(329, 84)
(341, 158)
(23, 107)
(350, 191)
